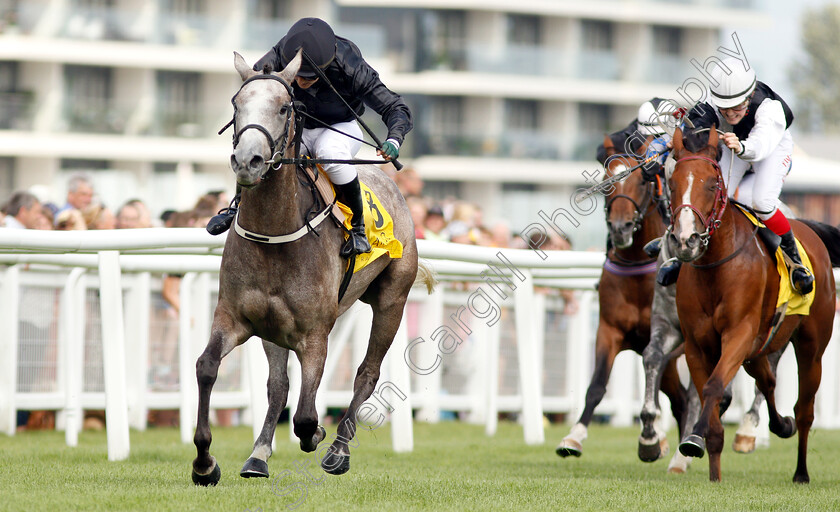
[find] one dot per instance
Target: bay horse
(288, 293)
(726, 299)
(625, 293)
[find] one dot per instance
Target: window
(667, 40)
(594, 117)
(7, 176)
(524, 30)
(184, 6)
(88, 99)
(271, 9)
(178, 103)
(597, 35)
(522, 114)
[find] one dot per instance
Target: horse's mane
(696, 140)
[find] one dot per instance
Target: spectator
(23, 211)
(79, 192)
(409, 182)
(98, 216)
(435, 224)
(70, 220)
(417, 207)
(133, 214)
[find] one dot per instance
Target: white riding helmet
(733, 86)
(649, 121)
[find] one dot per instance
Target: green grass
(453, 466)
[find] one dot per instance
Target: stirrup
(806, 282)
(356, 244)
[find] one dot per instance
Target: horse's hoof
(651, 450)
(254, 468)
(676, 470)
(787, 429)
(743, 444)
(335, 463)
(211, 478)
(568, 447)
(311, 444)
(693, 446)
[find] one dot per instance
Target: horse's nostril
(693, 240)
(672, 239)
(628, 225)
(233, 161)
(256, 162)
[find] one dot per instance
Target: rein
(638, 217)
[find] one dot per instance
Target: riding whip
(607, 183)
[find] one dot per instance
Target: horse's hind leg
(607, 346)
(205, 470)
(765, 380)
(278, 392)
(386, 321)
(745, 436)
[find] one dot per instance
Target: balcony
(524, 144)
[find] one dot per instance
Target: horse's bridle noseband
(712, 222)
(276, 146)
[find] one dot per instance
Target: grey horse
(287, 293)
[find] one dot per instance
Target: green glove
(390, 149)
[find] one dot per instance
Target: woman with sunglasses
(755, 121)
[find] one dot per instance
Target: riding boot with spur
(800, 277)
(221, 222)
(669, 272)
(351, 195)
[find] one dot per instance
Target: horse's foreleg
(386, 322)
(205, 470)
(765, 380)
(607, 346)
(664, 339)
(312, 361)
(278, 393)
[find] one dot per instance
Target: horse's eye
(284, 110)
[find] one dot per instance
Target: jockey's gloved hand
(390, 149)
(650, 170)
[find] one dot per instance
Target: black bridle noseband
(639, 214)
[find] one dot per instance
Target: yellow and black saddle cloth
(788, 302)
(379, 226)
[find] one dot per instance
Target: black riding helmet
(316, 38)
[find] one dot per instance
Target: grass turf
(454, 466)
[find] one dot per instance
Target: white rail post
(113, 352)
(477, 380)
(294, 392)
(494, 333)
(138, 301)
(73, 324)
(10, 297)
(256, 364)
(186, 362)
(580, 347)
(402, 429)
(529, 374)
(426, 357)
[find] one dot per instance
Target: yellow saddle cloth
(797, 304)
(379, 228)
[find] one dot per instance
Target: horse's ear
(242, 67)
(713, 136)
(677, 141)
(288, 74)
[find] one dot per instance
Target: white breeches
(760, 189)
(327, 144)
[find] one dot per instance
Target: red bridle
(712, 222)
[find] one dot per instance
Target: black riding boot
(221, 222)
(800, 277)
(669, 272)
(351, 195)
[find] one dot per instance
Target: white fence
(90, 328)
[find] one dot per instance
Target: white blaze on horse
(281, 272)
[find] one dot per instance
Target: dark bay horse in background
(287, 293)
(625, 293)
(726, 299)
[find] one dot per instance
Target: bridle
(276, 146)
(639, 214)
(712, 222)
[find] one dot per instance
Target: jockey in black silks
(331, 130)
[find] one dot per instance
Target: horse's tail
(426, 275)
(829, 235)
